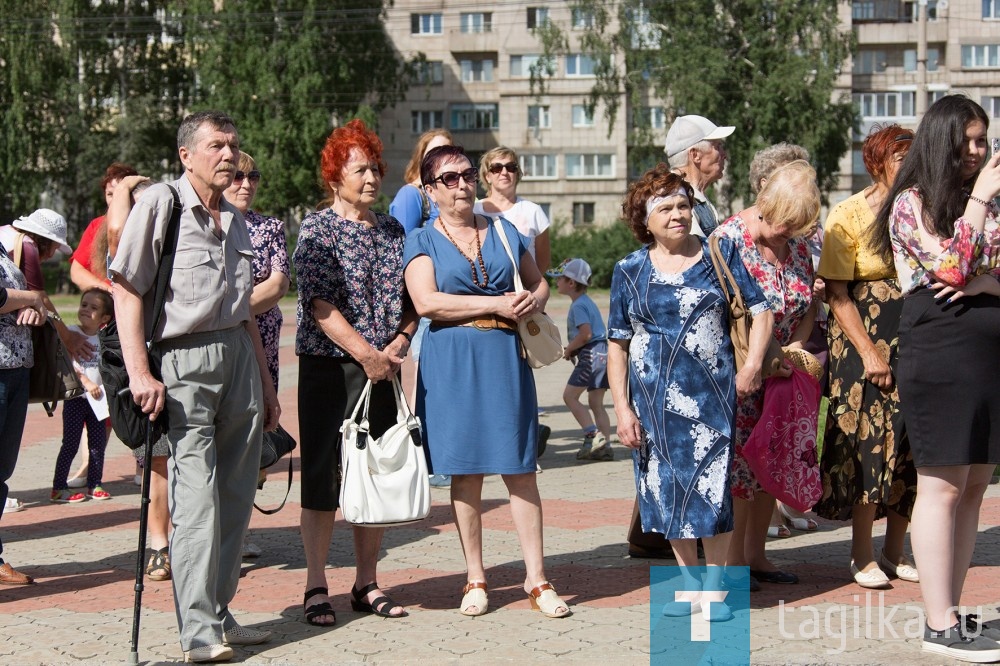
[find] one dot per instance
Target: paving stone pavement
(82, 556)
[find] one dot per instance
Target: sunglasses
(450, 178)
(254, 176)
(510, 166)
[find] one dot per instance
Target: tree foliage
(767, 67)
(84, 83)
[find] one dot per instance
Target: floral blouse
(15, 341)
(356, 268)
(965, 255)
(788, 285)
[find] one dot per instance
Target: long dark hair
(934, 167)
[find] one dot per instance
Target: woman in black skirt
(939, 224)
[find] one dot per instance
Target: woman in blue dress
(673, 377)
(475, 392)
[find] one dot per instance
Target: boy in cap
(588, 349)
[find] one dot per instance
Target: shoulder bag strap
(18, 249)
(271, 512)
(518, 285)
(166, 260)
(737, 308)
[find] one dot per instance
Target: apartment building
(476, 83)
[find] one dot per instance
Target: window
(474, 117)
(991, 9)
(911, 10)
(981, 56)
(992, 106)
(643, 34)
(430, 72)
(858, 163)
(520, 65)
(425, 24)
(935, 95)
(578, 64)
(590, 165)
(581, 118)
(421, 121)
(476, 22)
(863, 10)
(581, 19)
(886, 105)
(539, 117)
(546, 209)
(910, 60)
(868, 61)
(649, 117)
(583, 213)
(538, 166)
(476, 71)
(537, 17)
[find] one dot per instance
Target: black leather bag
(276, 445)
(53, 377)
(127, 418)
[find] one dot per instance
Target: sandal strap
(362, 593)
(537, 591)
(313, 592)
(474, 585)
(380, 603)
(318, 610)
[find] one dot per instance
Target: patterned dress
(270, 255)
(788, 288)
(866, 453)
(681, 377)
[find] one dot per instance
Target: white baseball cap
(686, 131)
(577, 270)
(47, 224)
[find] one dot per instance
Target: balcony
(472, 42)
(899, 33)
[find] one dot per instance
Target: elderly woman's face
(670, 221)
(454, 186)
(109, 190)
(892, 166)
(243, 189)
(501, 174)
(359, 181)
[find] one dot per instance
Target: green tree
(767, 67)
(287, 71)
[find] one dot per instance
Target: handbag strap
(271, 512)
(364, 400)
(518, 285)
(18, 249)
(737, 308)
(166, 261)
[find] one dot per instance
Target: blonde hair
(791, 196)
(246, 163)
(412, 172)
(487, 159)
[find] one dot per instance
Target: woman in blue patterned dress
(475, 391)
(672, 373)
(354, 324)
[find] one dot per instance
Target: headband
(654, 201)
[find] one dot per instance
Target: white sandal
(800, 524)
(545, 599)
(13, 505)
(474, 596)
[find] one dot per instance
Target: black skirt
(948, 373)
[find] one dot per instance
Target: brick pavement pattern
(83, 559)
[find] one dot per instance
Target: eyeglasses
(510, 166)
(450, 178)
(254, 176)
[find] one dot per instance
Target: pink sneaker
(67, 496)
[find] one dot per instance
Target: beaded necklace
(479, 255)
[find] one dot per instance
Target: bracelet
(409, 338)
(972, 197)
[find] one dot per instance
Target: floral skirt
(866, 454)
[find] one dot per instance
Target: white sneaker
(251, 550)
(77, 482)
(208, 653)
(239, 635)
(13, 505)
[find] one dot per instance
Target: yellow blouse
(845, 254)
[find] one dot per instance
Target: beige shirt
(212, 278)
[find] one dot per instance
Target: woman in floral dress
(771, 239)
(672, 374)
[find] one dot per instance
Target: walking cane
(140, 560)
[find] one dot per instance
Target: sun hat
(47, 224)
(686, 131)
(577, 270)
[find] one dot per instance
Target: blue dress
(475, 394)
(681, 378)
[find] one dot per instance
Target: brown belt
(484, 323)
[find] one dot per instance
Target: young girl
(96, 310)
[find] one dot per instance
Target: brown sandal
(158, 566)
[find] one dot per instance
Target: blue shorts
(591, 371)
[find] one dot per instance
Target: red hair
(340, 143)
(882, 143)
(116, 171)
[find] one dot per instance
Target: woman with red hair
(354, 324)
(867, 466)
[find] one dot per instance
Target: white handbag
(384, 481)
(539, 335)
